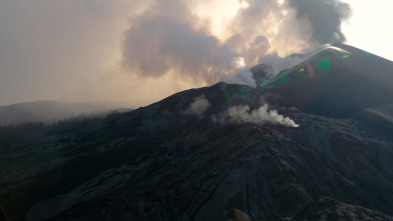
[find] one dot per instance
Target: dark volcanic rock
(162, 162)
(336, 83)
(330, 209)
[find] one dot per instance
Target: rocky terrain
(312, 143)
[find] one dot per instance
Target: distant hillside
(49, 111)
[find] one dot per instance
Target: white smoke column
(198, 106)
(242, 114)
(242, 76)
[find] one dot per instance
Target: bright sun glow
(244, 4)
(219, 13)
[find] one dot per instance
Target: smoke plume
(325, 17)
(167, 37)
(172, 37)
(242, 114)
(198, 106)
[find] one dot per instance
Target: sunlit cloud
(106, 51)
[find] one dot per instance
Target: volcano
(313, 142)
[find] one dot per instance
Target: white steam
(277, 64)
(178, 37)
(243, 74)
(242, 114)
(198, 106)
(167, 37)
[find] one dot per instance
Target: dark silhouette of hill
(336, 83)
(50, 111)
(304, 145)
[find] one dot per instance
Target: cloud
(198, 106)
(287, 27)
(97, 49)
(242, 114)
(266, 27)
(174, 36)
(167, 37)
(256, 49)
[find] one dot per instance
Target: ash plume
(167, 38)
(325, 17)
(170, 37)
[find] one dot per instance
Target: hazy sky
(140, 51)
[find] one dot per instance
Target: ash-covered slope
(202, 155)
(339, 81)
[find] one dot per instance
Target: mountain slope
(336, 83)
(49, 111)
(202, 155)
